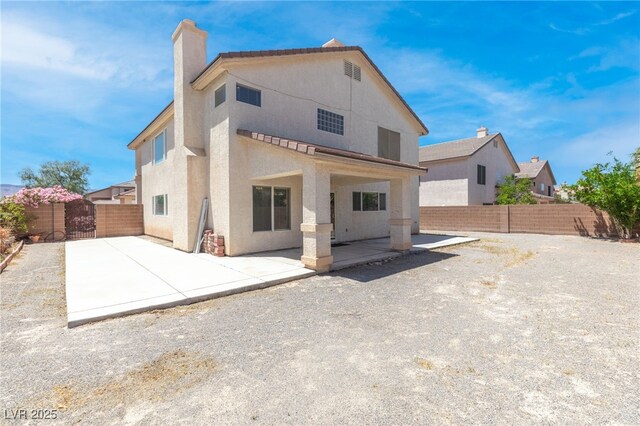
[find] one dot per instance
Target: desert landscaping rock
(512, 329)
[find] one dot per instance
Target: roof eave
(163, 115)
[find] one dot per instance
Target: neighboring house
(465, 172)
(121, 193)
(292, 148)
(542, 180)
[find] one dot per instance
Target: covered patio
(322, 170)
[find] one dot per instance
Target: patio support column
(316, 219)
(400, 218)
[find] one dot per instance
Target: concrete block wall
(117, 220)
(46, 218)
(556, 219)
(465, 218)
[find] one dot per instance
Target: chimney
(482, 132)
(189, 59)
(334, 42)
(535, 159)
(190, 171)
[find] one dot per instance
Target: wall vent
(357, 73)
(348, 68)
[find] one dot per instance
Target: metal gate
(80, 219)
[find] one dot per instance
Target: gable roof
(461, 148)
(532, 170)
(312, 149)
(201, 81)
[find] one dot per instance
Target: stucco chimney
(334, 42)
(190, 172)
(535, 159)
(482, 132)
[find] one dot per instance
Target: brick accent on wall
(117, 220)
(558, 219)
(46, 218)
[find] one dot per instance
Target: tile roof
(530, 170)
(313, 149)
(454, 149)
(309, 50)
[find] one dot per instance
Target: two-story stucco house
(293, 148)
(465, 172)
(542, 179)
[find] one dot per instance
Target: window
(281, 208)
(248, 95)
(482, 175)
(271, 208)
(388, 144)
(369, 201)
(261, 208)
(221, 95)
(542, 187)
(159, 147)
(160, 205)
(533, 183)
(330, 122)
(549, 191)
(357, 201)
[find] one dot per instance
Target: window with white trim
(271, 208)
(369, 201)
(160, 205)
(160, 147)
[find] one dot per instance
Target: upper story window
(388, 144)
(482, 175)
(248, 95)
(221, 95)
(160, 147)
(330, 122)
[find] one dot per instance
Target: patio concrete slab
(111, 277)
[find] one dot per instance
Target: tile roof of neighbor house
(530, 170)
(288, 52)
(127, 184)
(454, 149)
(310, 50)
(312, 149)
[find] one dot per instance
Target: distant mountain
(8, 189)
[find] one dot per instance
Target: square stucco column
(316, 219)
(400, 219)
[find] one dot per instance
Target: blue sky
(559, 80)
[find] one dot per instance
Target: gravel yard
(513, 329)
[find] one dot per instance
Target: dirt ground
(512, 329)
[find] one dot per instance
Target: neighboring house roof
(203, 79)
(460, 148)
(532, 170)
(130, 184)
(313, 149)
(126, 193)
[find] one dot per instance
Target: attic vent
(348, 68)
(356, 73)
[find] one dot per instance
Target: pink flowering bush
(36, 196)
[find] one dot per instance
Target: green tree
(71, 175)
(13, 217)
(614, 189)
(515, 191)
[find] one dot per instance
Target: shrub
(6, 240)
(35, 196)
(13, 217)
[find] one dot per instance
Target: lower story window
(271, 208)
(160, 205)
(369, 201)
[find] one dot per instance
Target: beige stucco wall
(496, 160)
(454, 182)
(157, 179)
(445, 184)
(545, 178)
